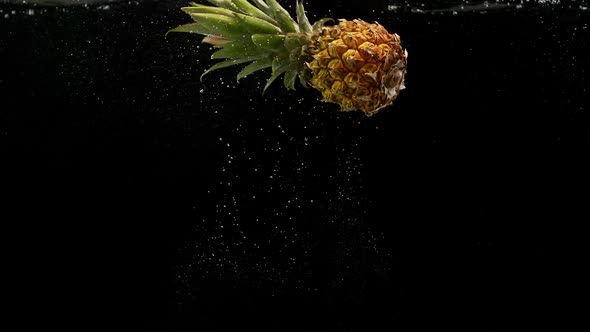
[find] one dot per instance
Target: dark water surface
(146, 200)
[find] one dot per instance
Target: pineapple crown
(258, 32)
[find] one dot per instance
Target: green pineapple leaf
(228, 63)
(273, 43)
(253, 67)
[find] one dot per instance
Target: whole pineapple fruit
(356, 64)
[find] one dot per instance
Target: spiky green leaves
(282, 16)
(228, 63)
(254, 66)
(237, 50)
(224, 23)
(302, 20)
(257, 31)
(272, 43)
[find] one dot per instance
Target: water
(177, 204)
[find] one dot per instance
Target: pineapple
(356, 64)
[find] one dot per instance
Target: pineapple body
(358, 65)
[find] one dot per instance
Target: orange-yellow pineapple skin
(358, 65)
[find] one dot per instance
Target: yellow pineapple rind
(357, 65)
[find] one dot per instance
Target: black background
(459, 207)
